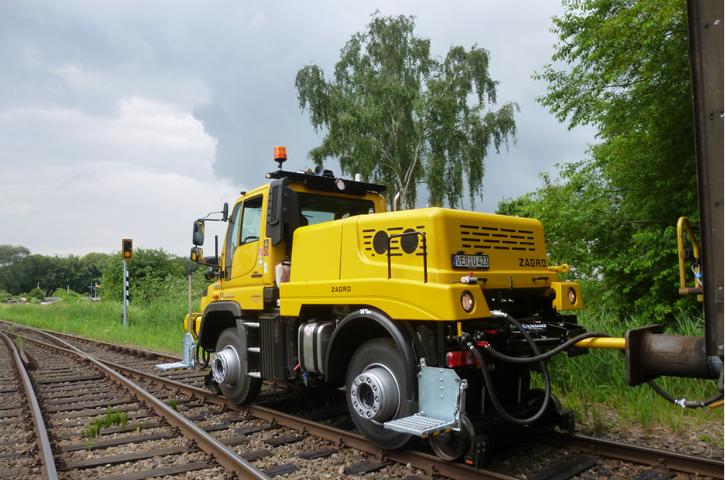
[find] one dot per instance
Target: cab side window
(232, 239)
(251, 220)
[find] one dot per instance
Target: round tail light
(467, 302)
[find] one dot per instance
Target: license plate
(470, 261)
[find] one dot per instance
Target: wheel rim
(226, 366)
(375, 394)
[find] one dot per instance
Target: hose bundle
(538, 357)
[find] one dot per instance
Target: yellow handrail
(563, 268)
(683, 226)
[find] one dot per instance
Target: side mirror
(198, 236)
(225, 212)
(197, 255)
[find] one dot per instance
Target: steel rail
(432, 465)
(637, 454)
(111, 346)
(206, 442)
(48, 470)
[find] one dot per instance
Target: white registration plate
(470, 261)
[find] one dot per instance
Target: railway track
(285, 443)
(23, 451)
(103, 425)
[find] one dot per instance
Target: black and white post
(125, 293)
(126, 255)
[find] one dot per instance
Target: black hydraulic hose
(204, 355)
(490, 388)
(489, 381)
(681, 401)
(544, 356)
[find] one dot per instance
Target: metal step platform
(420, 425)
(442, 398)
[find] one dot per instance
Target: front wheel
(230, 372)
(376, 391)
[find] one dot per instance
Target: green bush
(36, 294)
(68, 296)
(152, 273)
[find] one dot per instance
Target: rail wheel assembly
(229, 369)
(453, 445)
(376, 386)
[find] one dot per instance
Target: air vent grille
(372, 235)
(479, 237)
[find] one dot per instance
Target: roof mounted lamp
(280, 155)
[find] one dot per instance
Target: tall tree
(625, 72)
(400, 117)
(12, 253)
(20, 271)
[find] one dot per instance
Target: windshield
(324, 208)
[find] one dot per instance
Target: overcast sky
(133, 118)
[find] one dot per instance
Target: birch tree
(401, 117)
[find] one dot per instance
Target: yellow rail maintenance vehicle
(434, 319)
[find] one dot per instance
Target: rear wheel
(230, 372)
(376, 386)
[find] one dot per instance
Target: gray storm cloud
(192, 96)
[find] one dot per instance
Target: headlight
(467, 302)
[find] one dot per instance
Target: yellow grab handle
(563, 268)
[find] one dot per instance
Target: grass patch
(157, 326)
(112, 417)
(597, 381)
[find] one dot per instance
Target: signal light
(571, 295)
(459, 358)
(127, 248)
(280, 155)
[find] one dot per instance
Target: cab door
(243, 266)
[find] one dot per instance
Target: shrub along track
(305, 443)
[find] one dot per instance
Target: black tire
(555, 416)
(374, 353)
(246, 388)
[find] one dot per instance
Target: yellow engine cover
(346, 262)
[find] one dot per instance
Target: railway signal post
(126, 254)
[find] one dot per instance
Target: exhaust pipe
(396, 200)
